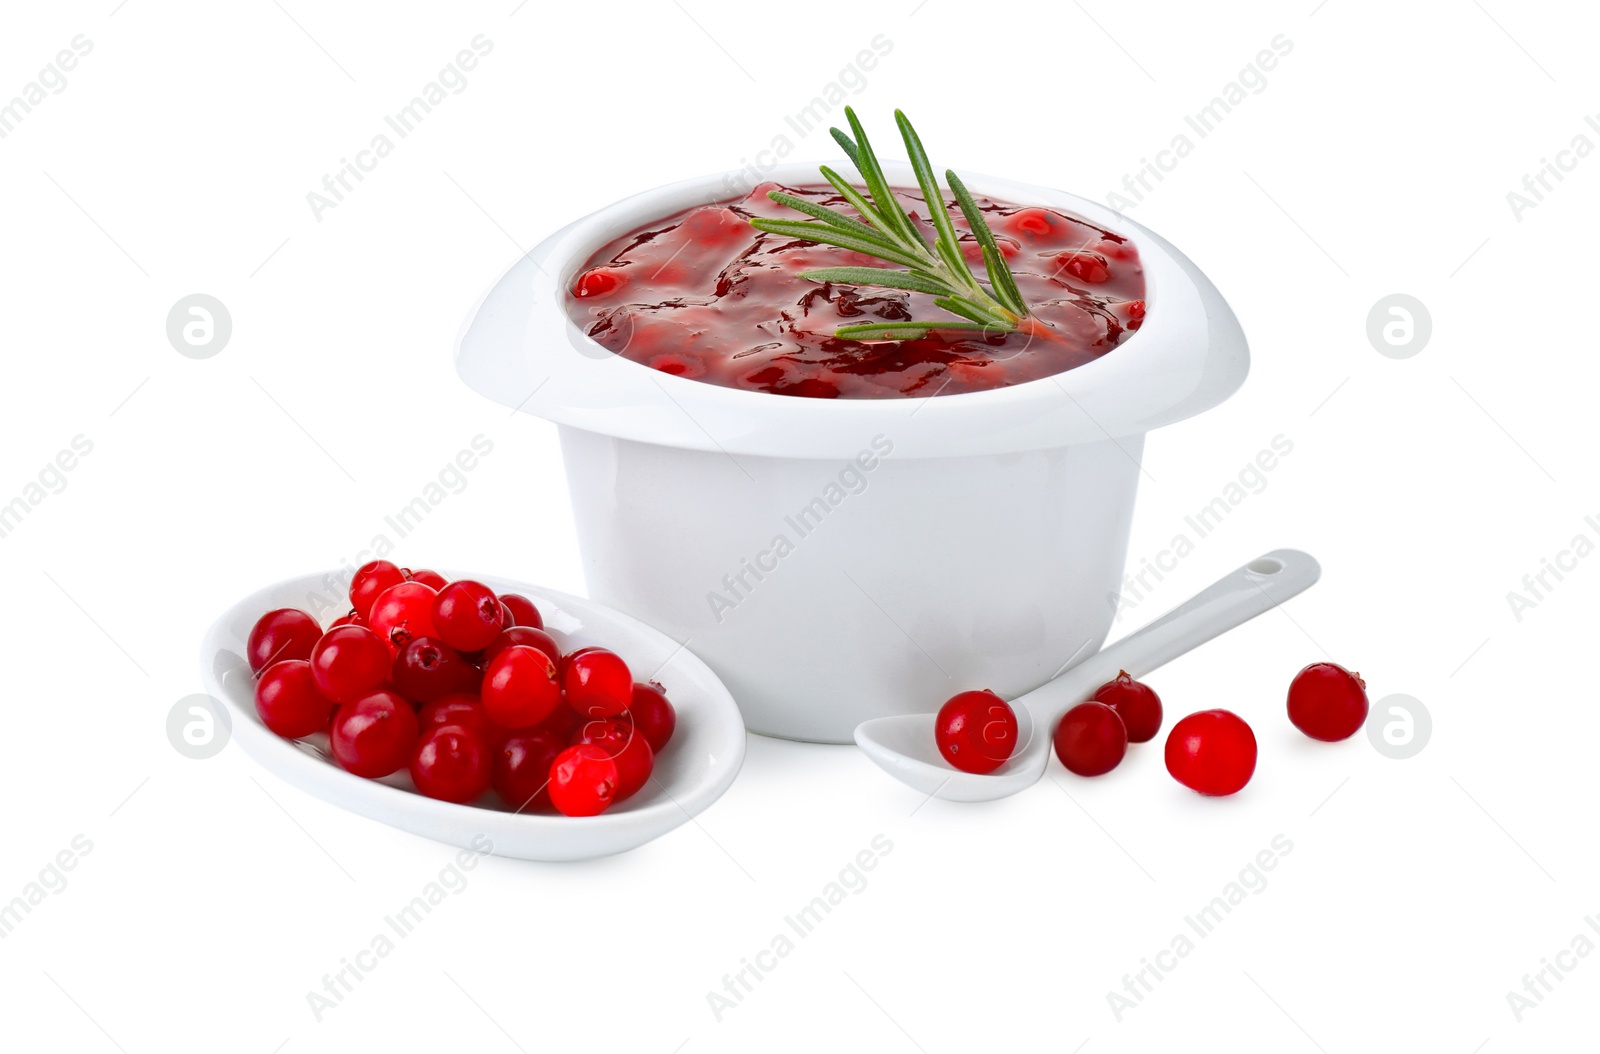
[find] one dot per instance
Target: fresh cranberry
(348, 662)
(404, 612)
(288, 701)
(1213, 752)
(1328, 702)
(458, 708)
(627, 747)
(523, 610)
(598, 683)
(522, 768)
(976, 731)
(467, 615)
(374, 735)
(286, 633)
(653, 714)
(563, 722)
(452, 763)
(427, 669)
(566, 660)
(371, 580)
(432, 579)
(1091, 739)
(583, 781)
(520, 688)
(1136, 703)
(597, 281)
(352, 618)
(533, 638)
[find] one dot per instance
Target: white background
(1376, 160)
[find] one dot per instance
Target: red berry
(597, 682)
(374, 735)
(627, 747)
(1086, 267)
(1091, 739)
(653, 715)
(1136, 703)
(533, 638)
(351, 619)
(288, 701)
(1328, 702)
(427, 669)
(523, 611)
(348, 662)
(597, 281)
(522, 768)
(452, 763)
(432, 579)
(282, 634)
(583, 780)
(459, 708)
(370, 580)
(976, 731)
(1213, 752)
(1036, 223)
(404, 612)
(467, 615)
(519, 687)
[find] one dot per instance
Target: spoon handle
(1232, 600)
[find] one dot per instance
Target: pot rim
(520, 348)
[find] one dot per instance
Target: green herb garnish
(889, 234)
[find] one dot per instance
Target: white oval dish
(694, 769)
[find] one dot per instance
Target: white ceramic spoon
(903, 746)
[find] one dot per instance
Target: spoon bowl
(904, 745)
(691, 772)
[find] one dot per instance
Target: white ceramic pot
(835, 560)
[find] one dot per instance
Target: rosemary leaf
(825, 214)
(880, 276)
(967, 309)
(897, 330)
(829, 235)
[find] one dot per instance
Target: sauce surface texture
(704, 295)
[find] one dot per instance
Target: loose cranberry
(598, 683)
(563, 722)
(583, 781)
(404, 612)
(348, 662)
(653, 715)
(1328, 702)
(522, 768)
(1091, 739)
(1136, 703)
(371, 580)
(627, 747)
(467, 615)
(349, 619)
(597, 281)
(976, 731)
(286, 633)
(566, 660)
(288, 701)
(452, 763)
(1213, 752)
(458, 708)
(523, 610)
(427, 669)
(373, 736)
(520, 688)
(432, 579)
(533, 638)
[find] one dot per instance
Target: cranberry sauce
(704, 295)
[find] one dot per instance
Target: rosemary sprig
(886, 232)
